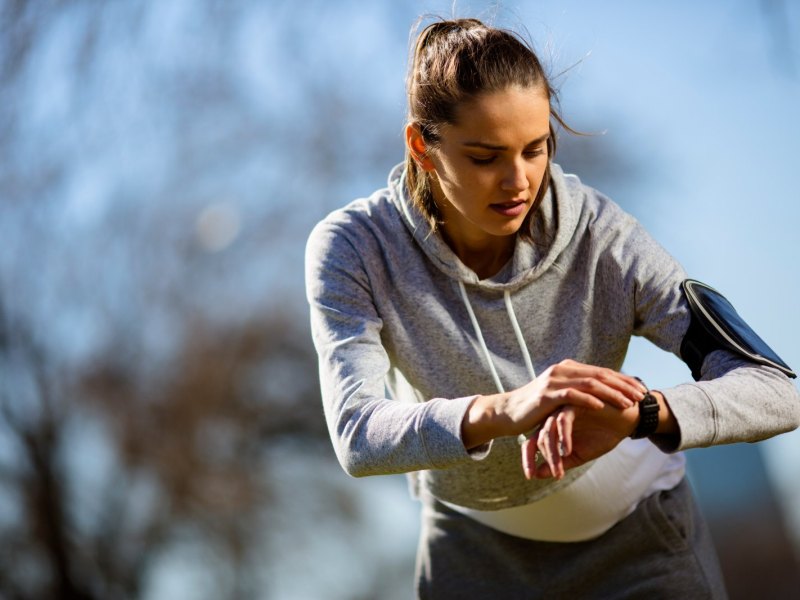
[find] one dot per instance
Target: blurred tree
(146, 364)
(182, 456)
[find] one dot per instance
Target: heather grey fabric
(661, 550)
(386, 312)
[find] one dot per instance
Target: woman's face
(489, 166)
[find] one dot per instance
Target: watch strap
(648, 417)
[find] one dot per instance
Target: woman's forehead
(511, 113)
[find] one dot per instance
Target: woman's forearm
(565, 383)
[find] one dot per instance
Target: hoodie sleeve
(371, 434)
(735, 400)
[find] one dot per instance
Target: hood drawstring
(517, 332)
(520, 340)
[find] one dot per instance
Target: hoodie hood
(552, 227)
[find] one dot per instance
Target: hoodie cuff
(441, 432)
(696, 415)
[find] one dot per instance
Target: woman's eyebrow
(487, 146)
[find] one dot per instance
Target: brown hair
(453, 62)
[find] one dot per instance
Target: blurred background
(161, 165)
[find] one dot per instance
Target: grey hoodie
(390, 309)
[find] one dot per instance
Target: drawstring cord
(479, 335)
(517, 332)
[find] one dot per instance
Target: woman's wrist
(479, 424)
(667, 424)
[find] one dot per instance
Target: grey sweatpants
(662, 550)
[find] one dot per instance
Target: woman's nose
(515, 179)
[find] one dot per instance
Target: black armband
(716, 325)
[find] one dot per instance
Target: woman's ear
(418, 148)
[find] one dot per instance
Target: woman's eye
(534, 153)
(481, 160)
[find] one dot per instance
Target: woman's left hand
(573, 436)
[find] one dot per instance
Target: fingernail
(562, 449)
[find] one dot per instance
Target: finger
(567, 371)
(632, 387)
(529, 450)
(603, 391)
(564, 423)
(640, 386)
(548, 445)
(541, 448)
(557, 464)
(576, 397)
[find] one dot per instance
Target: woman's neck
(486, 256)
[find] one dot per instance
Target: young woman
(494, 295)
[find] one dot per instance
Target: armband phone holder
(716, 325)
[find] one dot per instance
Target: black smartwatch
(648, 417)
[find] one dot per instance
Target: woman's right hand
(565, 383)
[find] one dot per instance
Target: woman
(495, 296)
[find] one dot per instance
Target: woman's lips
(509, 209)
